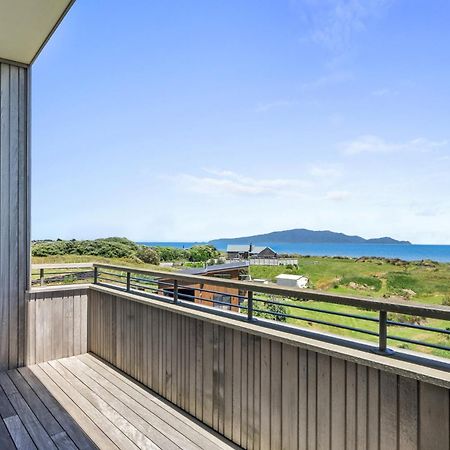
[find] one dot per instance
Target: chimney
(250, 248)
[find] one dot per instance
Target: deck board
(83, 402)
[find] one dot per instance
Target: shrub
(148, 255)
(398, 281)
(269, 310)
(202, 253)
(446, 300)
(371, 282)
(169, 254)
(108, 248)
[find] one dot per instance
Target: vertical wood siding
(56, 325)
(14, 216)
(261, 393)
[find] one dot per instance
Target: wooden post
(42, 276)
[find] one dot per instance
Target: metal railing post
(175, 291)
(128, 281)
(42, 277)
(250, 305)
(382, 334)
(95, 275)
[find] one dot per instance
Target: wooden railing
(255, 302)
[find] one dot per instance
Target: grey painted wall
(14, 213)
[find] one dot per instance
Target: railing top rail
(63, 266)
(398, 306)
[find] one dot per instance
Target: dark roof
(246, 248)
(215, 268)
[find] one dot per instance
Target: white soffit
(26, 25)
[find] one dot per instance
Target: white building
(287, 280)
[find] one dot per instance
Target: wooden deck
(82, 402)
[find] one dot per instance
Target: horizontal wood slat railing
(245, 299)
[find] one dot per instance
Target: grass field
(418, 282)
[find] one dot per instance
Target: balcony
(127, 358)
(130, 360)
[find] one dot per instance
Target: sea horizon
(407, 252)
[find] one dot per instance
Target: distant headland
(303, 236)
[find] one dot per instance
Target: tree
(202, 253)
(148, 255)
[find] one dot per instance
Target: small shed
(287, 280)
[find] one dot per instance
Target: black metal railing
(263, 304)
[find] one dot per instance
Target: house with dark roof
(227, 298)
(236, 251)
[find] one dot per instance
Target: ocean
(413, 252)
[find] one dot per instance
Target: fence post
(175, 291)
(250, 305)
(128, 281)
(42, 277)
(95, 275)
(382, 335)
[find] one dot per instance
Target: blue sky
(175, 120)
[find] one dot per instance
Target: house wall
(14, 212)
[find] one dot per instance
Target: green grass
(431, 284)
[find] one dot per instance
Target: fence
(57, 274)
(285, 307)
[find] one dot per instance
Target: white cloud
(335, 22)
(330, 79)
(384, 92)
(376, 144)
(227, 182)
(337, 196)
(321, 171)
(277, 104)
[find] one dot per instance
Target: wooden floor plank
(19, 434)
(149, 434)
(191, 428)
(82, 402)
(99, 413)
(65, 420)
(160, 432)
(63, 441)
(152, 413)
(5, 438)
(37, 432)
(74, 409)
(47, 420)
(6, 409)
(34, 428)
(135, 437)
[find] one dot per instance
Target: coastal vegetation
(118, 247)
